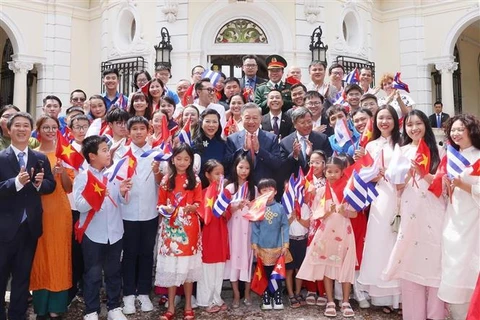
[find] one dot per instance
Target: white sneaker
(364, 304)
(146, 303)
(176, 301)
(116, 314)
(194, 303)
(91, 316)
(129, 304)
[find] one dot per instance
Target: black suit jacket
(258, 81)
(290, 165)
(433, 119)
(286, 125)
(13, 203)
(267, 160)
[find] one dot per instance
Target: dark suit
(18, 240)
(267, 160)
(285, 124)
(290, 165)
(258, 81)
(433, 119)
(262, 91)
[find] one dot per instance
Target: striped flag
(212, 75)
(288, 198)
(114, 170)
(398, 84)
(342, 134)
(185, 134)
(222, 202)
(299, 187)
(456, 163)
(241, 193)
(372, 193)
(352, 77)
(356, 192)
(278, 273)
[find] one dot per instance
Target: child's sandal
(301, 299)
(188, 315)
(294, 303)
(347, 310)
(330, 310)
(311, 298)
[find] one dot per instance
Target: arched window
(7, 75)
(241, 31)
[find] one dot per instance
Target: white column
(446, 69)
(20, 68)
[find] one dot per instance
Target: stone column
(20, 68)
(446, 69)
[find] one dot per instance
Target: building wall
(469, 49)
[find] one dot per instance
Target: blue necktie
(439, 121)
(275, 125)
(304, 147)
(21, 162)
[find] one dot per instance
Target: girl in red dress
(179, 259)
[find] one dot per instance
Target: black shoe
(267, 303)
(277, 298)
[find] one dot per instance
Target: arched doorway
(7, 77)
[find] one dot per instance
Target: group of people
(66, 230)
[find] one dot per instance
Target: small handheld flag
(288, 198)
(398, 84)
(222, 202)
(437, 184)
(67, 153)
(456, 162)
(257, 208)
(352, 77)
(185, 134)
(259, 282)
(212, 75)
(278, 273)
(422, 157)
(367, 134)
(342, 133)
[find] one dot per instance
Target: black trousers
(98, 257)
(137, 262)
(77, 262)
(16, 258)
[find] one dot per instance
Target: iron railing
(126, 68)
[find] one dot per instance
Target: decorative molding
(447, 66)
(170, 10)
(312, 11)
(18, 66)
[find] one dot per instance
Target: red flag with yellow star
(259, 281)
(94, 192)
(476, 168)
(367, 134)
(206, 210)
(422, 157)
(257, 208)
(437, 183)
(132, 163)
(67, 153)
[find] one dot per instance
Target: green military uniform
(262, 91)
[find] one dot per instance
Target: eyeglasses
(210, 90)
(459, 130)
(250, 65)
(49, 129)
(78, 99)
(198, 73)
(337, 73)
(80, 128)
(314, 103)
(120, 123)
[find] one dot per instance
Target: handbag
(397, 218)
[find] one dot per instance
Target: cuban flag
(299, 187)
(372, 193)
(356, 192)
(352, 77)
(212, 75)
(340, 99)
(241, 193)
(342, 134)
(222, 202)
(398, 84)
(185, 134)
(176, 202)
(369, 173)
(288, 198)
(456, 163)
(163, 153)
(278, 273)
(119, 168)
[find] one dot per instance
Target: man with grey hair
(297, 147)
(258, 145)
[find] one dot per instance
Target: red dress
(215, 240)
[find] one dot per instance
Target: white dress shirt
(106, 226)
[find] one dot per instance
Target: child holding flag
(363, 123)
(239, 266)
(270, 241)
(214, 243)
(344, 135)
(100, 228)
(416, 255)
(331, 256)
(179, 259)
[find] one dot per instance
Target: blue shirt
(120, 100)
(173, 95)
(272, 231)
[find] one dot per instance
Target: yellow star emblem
(67, 150)
(368, 134)
(322, 202)
(259, 274)
(209, 203)
(97, 189)
(424, 161)
(131, 162)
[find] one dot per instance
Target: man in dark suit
(297, 147)
(24, 176)
(314, 102)
(276, 121)
(259, 145)
(438, 119)
(250, 69)
(276, 65)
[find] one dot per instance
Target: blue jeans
(98, 257)
(137, 263)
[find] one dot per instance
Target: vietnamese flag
(437, 184)
(132, 163)
(259, 281)
(188, 96)
(206, 209)
(363, 162)
(67, 153)
(257, 208)
(367, 134)
(476, 168)
(309, 194)
(229, 126)
(422, 157)
(94, 192)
